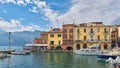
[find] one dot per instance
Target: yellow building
(92, 34)
(54, 38)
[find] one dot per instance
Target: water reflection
(52, 60)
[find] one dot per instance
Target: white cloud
(10, 1)
(7, 1)
(105, 11)
(21, 2)
(15, 25)
(34, 9)
(40, 4)
(92, 10)
(4, 11)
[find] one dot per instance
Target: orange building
(40, 43)
(67, 36)
(43, 38)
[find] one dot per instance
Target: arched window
(85, 46)
(69, 48)
(105, 46)
(78, 46)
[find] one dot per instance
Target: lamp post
(9, 40)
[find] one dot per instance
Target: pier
(7, 51)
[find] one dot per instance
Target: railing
(106, 41)
(91, 32)
(78, 41)
(93, 41)
(105, 32)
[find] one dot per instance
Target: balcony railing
(78, 41)
(106, 40)
(91, 32)
(105, 32)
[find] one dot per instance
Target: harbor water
(52, 60)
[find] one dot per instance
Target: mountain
(18, 38)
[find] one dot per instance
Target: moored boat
(106, 56)
(21, 53)
(92, 50)
(116, 65)
(3, 55)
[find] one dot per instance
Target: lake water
(52, 60)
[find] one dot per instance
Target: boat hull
(87, 53)
(21, 53)
(116, 65)
(104, 57)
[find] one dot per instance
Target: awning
(35, 44)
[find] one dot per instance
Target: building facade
(67, 36)
(41, 43)
(54, 38)
(115, 36)
(92, 34)
(43, 38)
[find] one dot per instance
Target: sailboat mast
(9, 40)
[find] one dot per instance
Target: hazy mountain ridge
(18, 38)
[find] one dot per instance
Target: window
(105, 30)
(105, 38)
(59, 35)
(78, 31)
(78, 46)
(59, 42)
(98, 38)
(91, 38)
(78, 37)
(84, 30)
(98, 29)
(71, 36)
(84, 38)
(43, 41)
(51, 35)
(51, 42)
(64, 30)
(64, 36)
(85, 46)
(71, 30)
(91, 30)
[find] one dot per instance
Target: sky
(30, 15)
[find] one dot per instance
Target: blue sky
(30, 15)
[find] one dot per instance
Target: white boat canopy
(35, 44)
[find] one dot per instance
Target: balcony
(78, 33)
(91, 32)
(78, 41)
(92, 40)
(105, 32)
(106, 40)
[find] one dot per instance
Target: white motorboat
(21, 53)
(92, 50)
(2, 55)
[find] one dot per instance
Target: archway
(58, 48)
(105, 46)
(78, 46)
(69, 48)
(85, 46)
